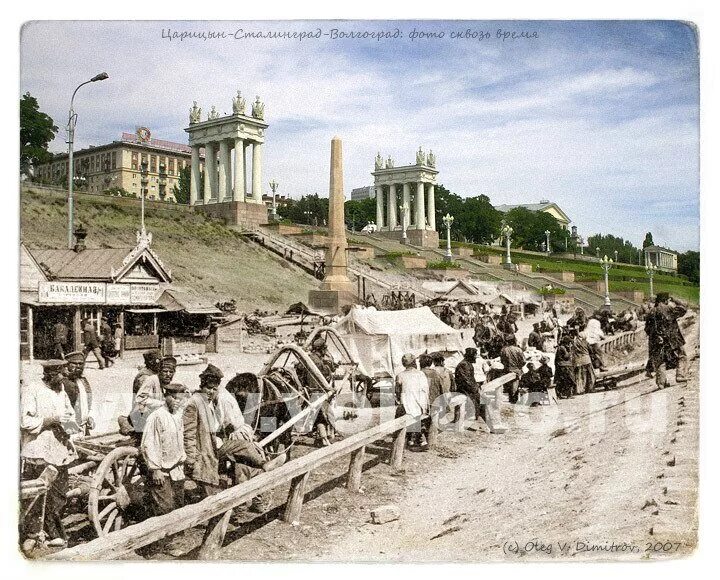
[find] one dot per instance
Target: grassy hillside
(622, 277)
(202, 253)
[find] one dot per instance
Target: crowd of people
(192, 444)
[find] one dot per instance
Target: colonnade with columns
(417, 198)
(229, 180)
(228, 166)
(408, 186)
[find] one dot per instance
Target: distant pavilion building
(664, 258)
(545, 205)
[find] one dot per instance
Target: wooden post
(122, 331)
(355, 470)
(30, 333)
(214, 537)
(398, 449)
(433, 430)
(295, 498)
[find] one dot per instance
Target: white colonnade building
(226, 140)
(411, 187)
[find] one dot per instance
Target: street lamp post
(273, 212)
(651, 269)
(547, 241)
(606, 263)
(403, 209)
(72, 121)
(507, 231)
(597, 253)
(143, 191)
(448, 221)
(616, 255)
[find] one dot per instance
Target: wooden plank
(398, 448)
(127, 540)
(357, 458)
(296, 496)
(214, 537)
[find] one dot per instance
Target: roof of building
(174, 299)
(542, 206)
(89, 264)
(659, 248)
(133, 139)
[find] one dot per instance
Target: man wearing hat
(78, 390)
(47, 420)
(535, 339)
(91, 341)
(465, 379)
(150, 394)
(513, 360)
(163, 449)
(201, 426)
(666, 344)
(413, 389)
(152, 367)
(447, 379)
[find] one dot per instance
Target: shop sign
(144, 293)
(118, 294)
(71, 293)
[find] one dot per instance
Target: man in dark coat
(535, 340)
(60, 336)
(465, 379)
(91, 341)
(565, 368)
(513, 359)
(666, 344)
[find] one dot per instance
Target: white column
(224, 171)
(420, 205)
(257, 172)
(209, 169)
(431, 205)
(406, 203)
(392, 208)
(195, 185)
(379, 207)
(246, 144)
(239, 177)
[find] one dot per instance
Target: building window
(153, 164)
(113, 160)
(171, 166)
(134, 161)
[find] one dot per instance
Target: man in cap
(163, 449)
(60, 337)
(47, 421)
(152, 367)
(150, 395)
(545, 373)
(446, 377)
(513, 360)
(201, 426)
(78, 390)
(413, 389)
(326, 365)
(465, 379)
(435, 387)
(666, 344)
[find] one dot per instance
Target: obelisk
(336, 289)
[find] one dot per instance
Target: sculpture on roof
(420, 157)
(389, 164)
(195, 113)
(258, 109)
(431, 159)
(238, 104)
(378, 162)
(213, 114)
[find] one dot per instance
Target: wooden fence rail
(219, 507)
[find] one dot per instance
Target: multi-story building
(135, 162)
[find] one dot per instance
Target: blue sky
(600, 117)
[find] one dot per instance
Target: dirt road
(611, 475)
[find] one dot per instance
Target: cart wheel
(117, 481)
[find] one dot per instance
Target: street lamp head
(547, 232)
(100, 77)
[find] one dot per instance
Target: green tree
(609, 244)
(648, 241)
(36, 130)
(529, 229)
(689, 265)
(182, 189)
(309, 209)
(359, 213)
(476, 220)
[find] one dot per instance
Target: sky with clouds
(600, 117)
